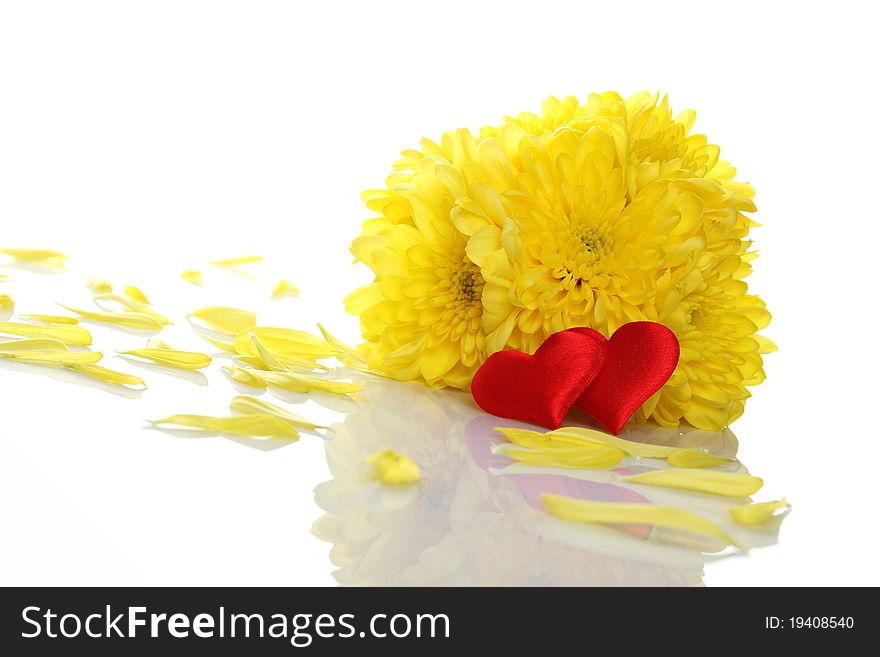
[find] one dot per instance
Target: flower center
(584, 247)
(591, 242)
(695, 317)
(465, 285)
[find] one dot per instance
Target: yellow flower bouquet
(592, 214)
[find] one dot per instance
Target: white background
(145, 137)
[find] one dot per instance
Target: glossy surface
(144, 140)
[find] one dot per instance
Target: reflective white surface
(145, 138)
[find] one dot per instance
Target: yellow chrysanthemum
(572, 249)
(423, 317)
(590, 214)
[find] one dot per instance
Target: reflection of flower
(588, 215)
(460, 525)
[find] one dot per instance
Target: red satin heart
(639, 358)
(540, 388)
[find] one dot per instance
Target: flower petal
(727, 484)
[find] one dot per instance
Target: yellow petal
(247, 404)
(130, 304)
(136, 294)
(290, 364)
(266, 357)
(36, 256)
(759, 513)
(303, 383)
(283, 343)
(765, 345)
(107, 375)
(225, 319)
(228, 347)
(644, 450)
(35, 344)
(4, 278)
(259, 425)
(235, 262)
(7, 303)
(696, 458)
(245, 376)
(136, 321)
(268, 361)
(343, 352)
(192, 276)
(542, 440)
(53, 358)
(589, 456)
(51, 319)
(75, 336)
(99, 285)
(186, 360)
(285, 288)
(578, 435)
(393, 468)
(612, 513)
(728, 484)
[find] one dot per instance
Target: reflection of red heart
(639, 358)
(540, 388)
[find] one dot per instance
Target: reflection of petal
(464, 524)
(70, 376)
(187, 375)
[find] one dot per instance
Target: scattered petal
(74, 336)
(247, 404)
(284, 288)
(34, 344)
(245, 376)
(266, 358)
(728, 484)
(7, 303)
(258, 425)
(130, 304)
(54, 358)
(107, 375)
(185, 360)
(696, 458)
(614, 513)
(235, 262)
(760, 512)
(51, 319)
(136, 294)
(644, 450)
(99, 285)
(599, 457)
(575, 436)
(36, 256)
(228, 347)
(290, 364)
(130, 320)
(303, 383)
(283, 343)
(393, 468)
(226, 320)
(344, 354)
(192, 276)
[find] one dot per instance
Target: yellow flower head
(423, 316)
(591, 214)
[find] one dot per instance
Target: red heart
(639, 358)
(540, 388)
